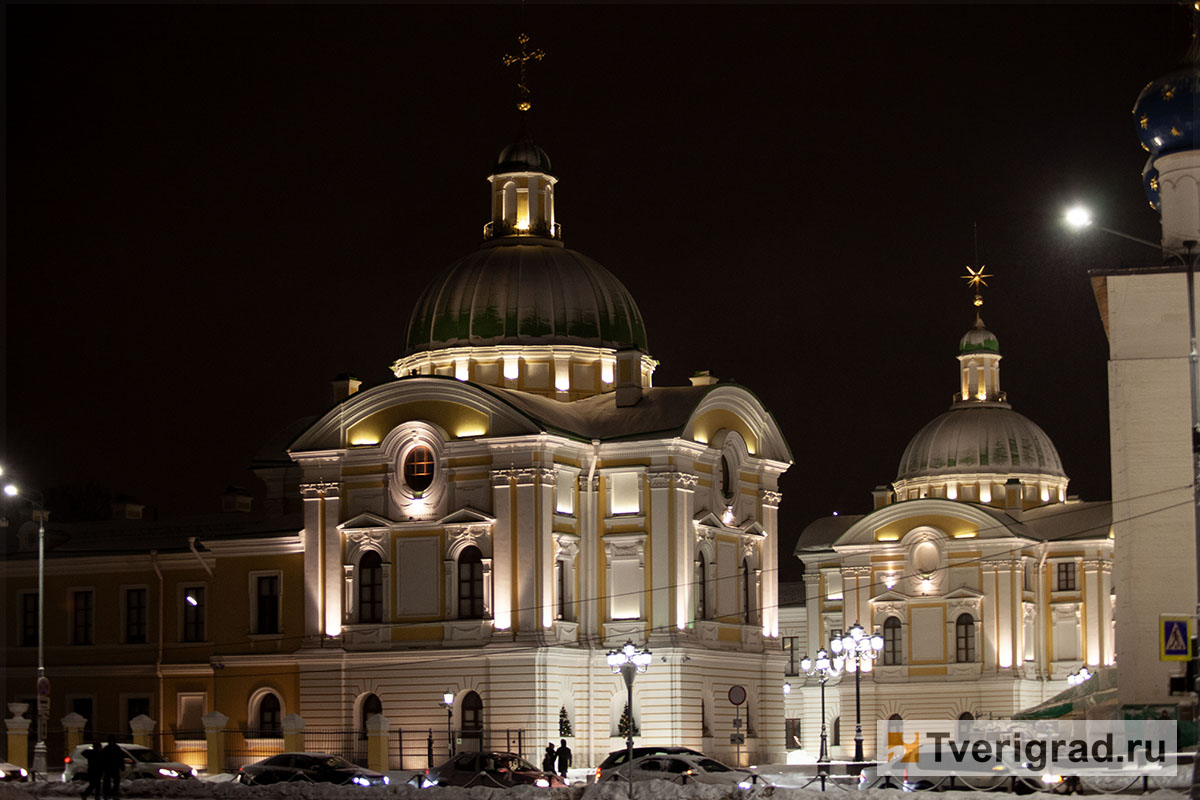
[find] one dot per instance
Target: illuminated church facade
(521, 499)
(987, 582)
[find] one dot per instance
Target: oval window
(726, 481)
(418, 469)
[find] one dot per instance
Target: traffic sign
(1175, 638)
(737, 738)
(737, 695)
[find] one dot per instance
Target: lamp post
(448, 702)
(43, 683)
(858, 650)
(826, 668)
(1080, 218)
(628, 662)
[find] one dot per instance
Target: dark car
(495, 769)
(309, 768)
(683, 768)
(618, 757)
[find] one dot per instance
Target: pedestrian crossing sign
(1175, 638)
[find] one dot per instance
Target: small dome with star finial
(979, 339)
(1165, 110)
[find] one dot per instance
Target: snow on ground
(649, 790)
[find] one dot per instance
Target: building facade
(987, 582)
(517, 502)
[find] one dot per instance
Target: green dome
(525, 294)
(978, 340)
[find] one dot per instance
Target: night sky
(213, 210)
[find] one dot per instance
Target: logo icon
(907, 752)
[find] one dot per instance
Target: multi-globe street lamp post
(628, 662)
(43, 684)
(858, 650)
(825, 668)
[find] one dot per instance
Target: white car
(140, 762)
(684, 768)
(11, 772)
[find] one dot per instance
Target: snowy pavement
(649, 790)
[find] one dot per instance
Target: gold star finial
(521, 60)
(975, 280)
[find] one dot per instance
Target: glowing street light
(43, 683)
(448, 702)
(858, 650)
(628, 662)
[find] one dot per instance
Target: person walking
(547, 759)
(93, 758)
(112, 759)
(564, 759)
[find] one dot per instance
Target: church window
(964, 631)
(726, 481)
(472, 721)
(82, 616)
(193, 614)
(564, 493)
(265, 603)
(835, 738)
(1066, 577)
(893, 652)
(701, 587)
(470, 584)
(966, 715)
(833, 583)
(370, 587)
(625, 493)
(509, 210)
(419, 469)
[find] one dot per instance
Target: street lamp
(448, 702)
(1080, 218)
(628, 662)
(826, 668)
(43, 683)
(858, 650)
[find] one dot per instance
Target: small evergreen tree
(628, 725)
(564, 723)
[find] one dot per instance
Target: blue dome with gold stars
(1166, 110)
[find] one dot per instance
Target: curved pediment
(891, 524)
(728, 407)
(458, 409)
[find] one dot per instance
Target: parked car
(309, 768)
(684, 768)
(11, 772)
(140, 762)
(496, 769)
(617, 757)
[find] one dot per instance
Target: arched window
(964, 630)
(835, 738)
(472, 721)
(701, 585)
(726, 481)
(966, 715)
(371, 705)
(269, 720)
(510, 203)
(892, 651)
(370, 587)
(418, 469)
(747, 592)
(470, 584)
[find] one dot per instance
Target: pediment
(467, 516)
(366, 521)
(754, 529)
(708, 519)
(890, 596)
(963, 593)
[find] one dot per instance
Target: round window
(418, 469)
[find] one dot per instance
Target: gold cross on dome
(525, 57)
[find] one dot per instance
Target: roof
(980, 438)
(821, 534)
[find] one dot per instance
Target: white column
(771, 556)
(502, 549)
(658, 530)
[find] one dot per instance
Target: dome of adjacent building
(525, 294)
(1165, 111)
(980, 439)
